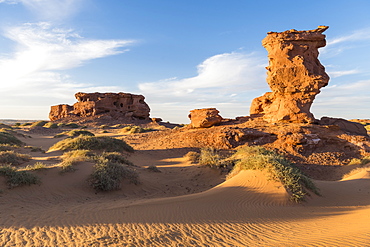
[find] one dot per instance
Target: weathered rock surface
(295, 76)
(116, 105)
(345, 125)
(204, 118)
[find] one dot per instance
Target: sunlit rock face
(204, 118)
(295, 76)
(116, 105)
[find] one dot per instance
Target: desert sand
(184, 205)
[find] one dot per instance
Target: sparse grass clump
(74, 133)
(35, 149)
(153, 169)
(36, 167)
(39, 124)
(192, 156)
(7, 147)
(108, 176)
(72, 125)
(116, 157)
(210, 157)
(103, 143)
(361, 162)
(51, 125)
(17, 178)
(134, 129)
(7, 137)
(13, 158)
(280, 169)
(72, 158)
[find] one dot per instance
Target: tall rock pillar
(295, 76)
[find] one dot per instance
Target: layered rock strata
(116, 105)
(295, 76)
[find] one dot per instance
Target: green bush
(103, 143)
(7, 137)
(134, 129)
(74, 133)
(39, 124)
(210, 157)
(72, 158)
(17, 178)
(51, 125)
(13, 158)
(107, 176)
(116, 157)
(72, 125)
(280, 169)
(192, 156)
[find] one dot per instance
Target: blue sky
(180, 55)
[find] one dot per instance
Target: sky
(181, 55)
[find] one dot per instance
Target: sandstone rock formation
(345, 125)
(116, 105)
(294, 75)
(204, 118)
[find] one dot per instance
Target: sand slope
(247, 210)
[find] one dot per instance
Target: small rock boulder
(204, 118)
(345, 125)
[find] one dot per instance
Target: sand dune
(165, 210)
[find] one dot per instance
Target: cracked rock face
(204, 118)
(117, 105)
(295, 76)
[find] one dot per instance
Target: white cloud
(227, 81)
(334, 74)
(33, 72)
(9, 1)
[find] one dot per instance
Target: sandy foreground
(184, 205)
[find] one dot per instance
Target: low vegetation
(74, 133)
(192, 156)
(108, 175)
(15, 178)
(8, 137)
(36, 167)
(51, 125)
(210, 157)
(101, 143)
(116, 157)
(72, 158)
(134, 129)
(35, 149)
(280, 169)
(13, 158)
(39, 124)
(153, 169)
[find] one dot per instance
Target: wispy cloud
(34, 71)
(228, 81)
(339, 73)
(50, 9)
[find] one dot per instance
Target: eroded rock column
(295, 76)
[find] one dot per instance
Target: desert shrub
(116, 157)
(134, 129)
(210, 157)
(26, 124)
(7, 137)
(13, 158)
(103, 126)
(74, 133)
(280, 169)
(153, 169)
(51, 125)
(36, 166)
(361, 162)
(17, 178)
(35, 149)
(103, 143)
(61, 125)
(72, 158)
(39, 123)
(107, 175)
(71, 125)
(7, 147)
(192, 156)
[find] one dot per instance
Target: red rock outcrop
(204, 118)
(295, 76)
(345, 125)
(117, 105)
